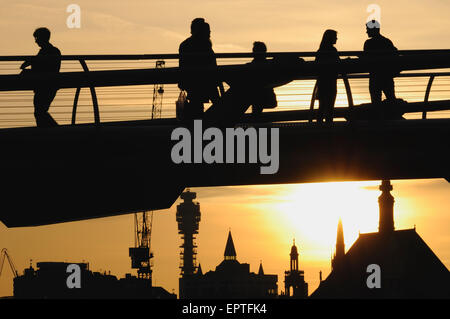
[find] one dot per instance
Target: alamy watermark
(374, 279)
(74, 19)
(214, 152)
(74, 279)
(374, 19)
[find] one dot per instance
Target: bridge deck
(73, 173)
(90, 170)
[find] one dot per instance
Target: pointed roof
(199, 269)
(340, 244)
(414, 271)
(339, 253)
(410, 267)
(230, 251)
(260, 271)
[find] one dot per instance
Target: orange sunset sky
(263, 219)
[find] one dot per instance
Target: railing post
(348, 90)
(427, 94)
(93, 95)
(75, 104)
(313, 99)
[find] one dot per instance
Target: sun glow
(310, 212)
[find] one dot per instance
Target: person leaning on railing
(265, 97)
(381, 76)
(327, 78)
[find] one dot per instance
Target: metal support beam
(427, 94)
(93, 95)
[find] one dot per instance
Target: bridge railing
(290, 96)
(345, 78)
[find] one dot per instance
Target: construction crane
(4, 254)
(141, 255)
(158, 91)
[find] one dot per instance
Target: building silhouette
(338, 258)
(49, 281)
(294, 278)
(408, 267)
(231, 280)
(188, 219)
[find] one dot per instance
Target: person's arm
(339, 65)
(58, 60)
(366, 50)
(25, 64)
(180, 56)
(393, 47)
(214, 63)
(181, 64)
(338, 58)
(221, 89)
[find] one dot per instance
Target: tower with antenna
(188, 219)
(295, 278)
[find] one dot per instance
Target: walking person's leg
(330, 108)
(320, 111)
(42, 100)
(195, 106)
(375, 90)
(389, 89)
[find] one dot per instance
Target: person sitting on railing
(326, 81)
(196, 54)
(381, 77)
(47, 61)
(265, 98)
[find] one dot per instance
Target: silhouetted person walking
(47, 61)
(327, 78)
(196, 54)
(265, 97)
(381, 78)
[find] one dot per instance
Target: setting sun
(313, 210)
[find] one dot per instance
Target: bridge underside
(80, 172)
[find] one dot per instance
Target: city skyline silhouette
(315, 236)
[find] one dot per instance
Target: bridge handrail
(345, 77)
(89, 57)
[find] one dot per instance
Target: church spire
(230, 251)
(386, 204)
(199, 270)
(260, 271)
(340, 247)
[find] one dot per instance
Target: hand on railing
(25, 64)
